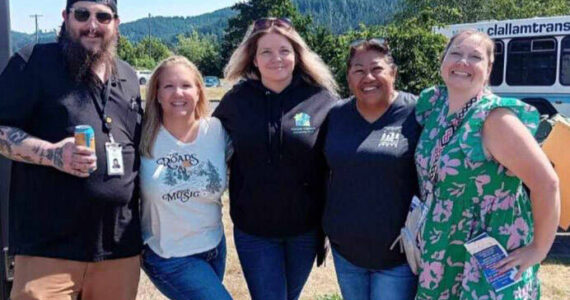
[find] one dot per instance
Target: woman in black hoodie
(277, 175)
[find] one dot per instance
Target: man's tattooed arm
(17, 145)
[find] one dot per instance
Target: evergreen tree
(149, 52)
(203, 51)
(469, 11)
(126, 50)
(214, 180)
(169, 177)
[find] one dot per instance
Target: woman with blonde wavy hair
(277, 185)
(182, 176)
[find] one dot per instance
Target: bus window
(565, 62)
(531, 61)
(499, 64)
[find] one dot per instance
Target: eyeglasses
(265, 23)
(375, 41)
(82, 15)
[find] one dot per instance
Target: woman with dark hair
(369, 146)
(277, 173)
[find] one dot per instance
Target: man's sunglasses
(265, 23)
(378, 41)
(82, 15)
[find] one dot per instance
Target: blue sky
(129, 10)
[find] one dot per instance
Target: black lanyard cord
(107, 121)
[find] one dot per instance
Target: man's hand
(72, 159)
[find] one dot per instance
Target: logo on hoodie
(302, 120)
(302, 124)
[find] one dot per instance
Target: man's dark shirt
(52, 213)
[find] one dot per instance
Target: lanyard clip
(107, 121)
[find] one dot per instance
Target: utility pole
(6, 266)
(149, 37)
(36, 16)
(5, 49)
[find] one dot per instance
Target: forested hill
(167, 28)
(337, 15)
(342, 15)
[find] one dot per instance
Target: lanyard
(440, 145)
(446, 138)
(436, 154)
(107, 121)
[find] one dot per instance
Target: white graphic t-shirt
(181, 187)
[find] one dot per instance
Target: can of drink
(85, 136)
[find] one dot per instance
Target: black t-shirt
(372, 181)
(54, 214)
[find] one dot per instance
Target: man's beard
(81, 62)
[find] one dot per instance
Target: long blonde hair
(153, 111)
(310, 65)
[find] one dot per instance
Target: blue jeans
(276, 268)
(356, 283)
(196, 277)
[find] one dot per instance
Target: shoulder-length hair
(153, 111)
(464, 34)
(307, 63)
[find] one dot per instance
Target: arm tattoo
(48, 154)
(16, 136)
(5, 147)
(17, 145)
(58, 157)
(10, 137)
(43, 153)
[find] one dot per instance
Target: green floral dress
(474, 194)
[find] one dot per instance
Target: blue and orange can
(85, 136)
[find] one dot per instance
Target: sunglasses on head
(378, 41)
(265, 23)
(83, 14)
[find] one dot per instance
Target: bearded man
(74, 221)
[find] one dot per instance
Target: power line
(36, 16)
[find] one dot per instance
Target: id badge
(115, 166)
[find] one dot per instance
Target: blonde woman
(183, 175)
(474, 153)
(277, 185)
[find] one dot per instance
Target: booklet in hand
(488, 252)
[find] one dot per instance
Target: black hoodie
(277, 172)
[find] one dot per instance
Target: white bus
(532, 60)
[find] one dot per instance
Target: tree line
(415, 47)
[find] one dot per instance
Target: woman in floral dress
(479, 180)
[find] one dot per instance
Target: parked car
(143, 76)
(212, 81)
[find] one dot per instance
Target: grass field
(322, 285)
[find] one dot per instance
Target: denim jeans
(356, 283)
(276, 268)
(196, 277)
